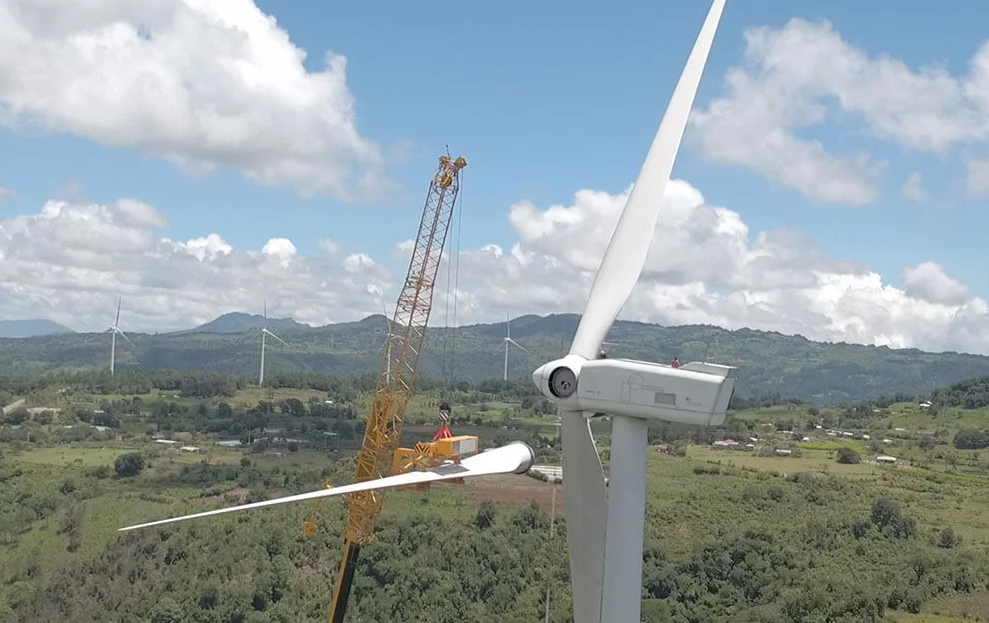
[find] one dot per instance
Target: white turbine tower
(509, 341)
(264, 333)
(114, 331)
(605, 525)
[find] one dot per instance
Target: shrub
(848, 456)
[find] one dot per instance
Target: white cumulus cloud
(913, 188)
(68, 262)
(804, 75)
(205, 85)
(929, 282)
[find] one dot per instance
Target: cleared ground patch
(61, 455)
(513, 489)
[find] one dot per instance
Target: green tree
(848, 456)
(129, 464)
(485, 515)
(17, 416)
(947, 539)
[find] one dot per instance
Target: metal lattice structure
(398, 370)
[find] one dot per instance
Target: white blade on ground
(585, 499)
(275, 336)
(626, 254)
(515, 457)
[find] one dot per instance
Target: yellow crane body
(398, 369)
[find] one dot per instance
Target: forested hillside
(771, 364)
(819, 533)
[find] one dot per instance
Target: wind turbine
(114, 330)
(264, 333)
(605, 525)
(508, 341)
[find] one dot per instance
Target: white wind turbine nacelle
(513, 458)
(605, 526)
(696, 393)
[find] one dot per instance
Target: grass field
(79, 456)
(250, 396)
(811, 461)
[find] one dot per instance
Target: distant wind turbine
(508, 340)
(114, 330)
(264, 333)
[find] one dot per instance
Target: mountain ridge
(770, 363)
(239, 322)
(31, 327)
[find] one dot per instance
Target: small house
(889, 460)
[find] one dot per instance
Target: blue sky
(544, 101)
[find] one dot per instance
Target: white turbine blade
(121, 334)
(117, 321)
(626, 254)
(515, 457)
(586, 502)
(266, 310)
(517, 344)
(274, 336)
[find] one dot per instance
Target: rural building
(882, 458)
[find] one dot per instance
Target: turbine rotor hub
(557, 380)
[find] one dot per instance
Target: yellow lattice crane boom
(398, 369)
